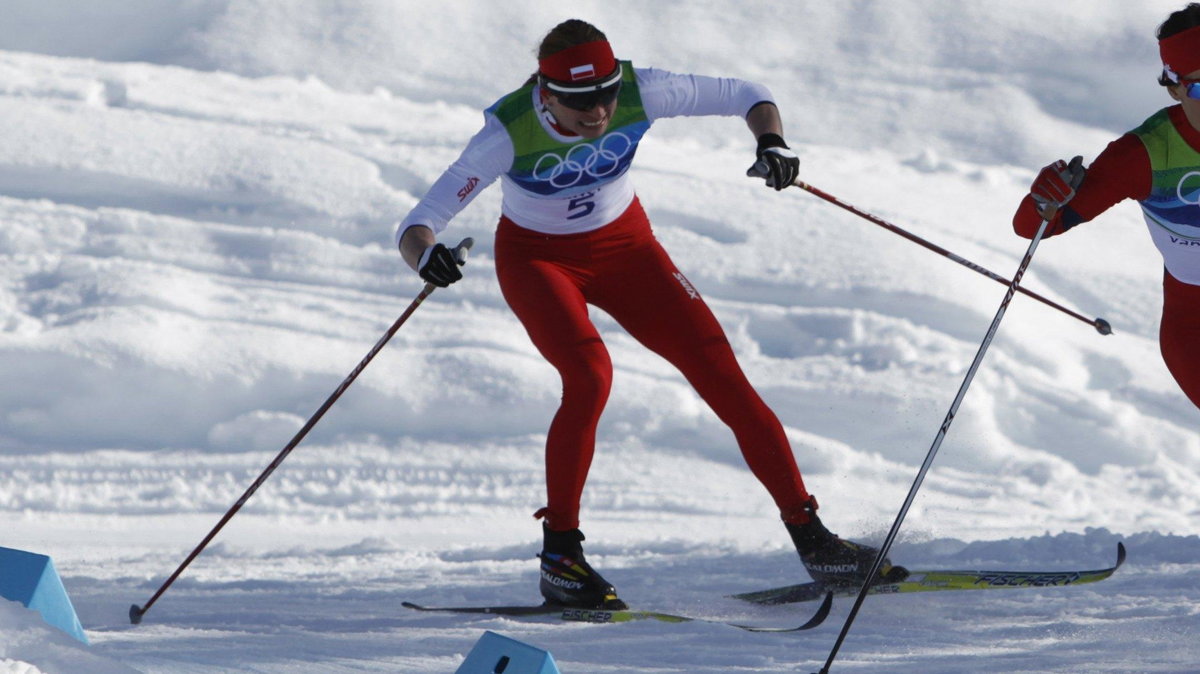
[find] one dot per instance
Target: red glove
(1055, 185)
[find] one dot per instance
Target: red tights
(1179, 334)
(549, 280)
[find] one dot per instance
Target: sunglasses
(584, 98)
(1190, 87)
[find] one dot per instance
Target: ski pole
(136, 612)
(1102, 326)
(937, 443)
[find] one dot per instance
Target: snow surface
(197, 202)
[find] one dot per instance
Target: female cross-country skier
(1158, 165)
(572, 232)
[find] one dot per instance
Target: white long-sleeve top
(574, 187)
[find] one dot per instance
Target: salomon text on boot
(567, 579)
(834, 561)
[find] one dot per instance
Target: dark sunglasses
(584, 98)
(587, 100)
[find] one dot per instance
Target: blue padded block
(498, 654)
(30, 578)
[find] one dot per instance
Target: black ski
(618, 616)
(938, 581)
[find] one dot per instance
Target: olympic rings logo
(1196, 193)
(586, 159)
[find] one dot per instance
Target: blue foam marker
(498, 654)
(30, 578)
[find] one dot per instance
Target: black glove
(780, 164)
(438, 266)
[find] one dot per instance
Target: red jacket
(1121, 171)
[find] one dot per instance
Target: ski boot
(836, 562)
(567, 579)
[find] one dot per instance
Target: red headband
(1181, 52)
(583, 62)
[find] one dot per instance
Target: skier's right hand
(1055, 185)
(439, 266)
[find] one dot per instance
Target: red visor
(581, 63)
(1181, 52)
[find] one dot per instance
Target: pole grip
(460, 251)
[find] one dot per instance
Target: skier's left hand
(778, 164)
